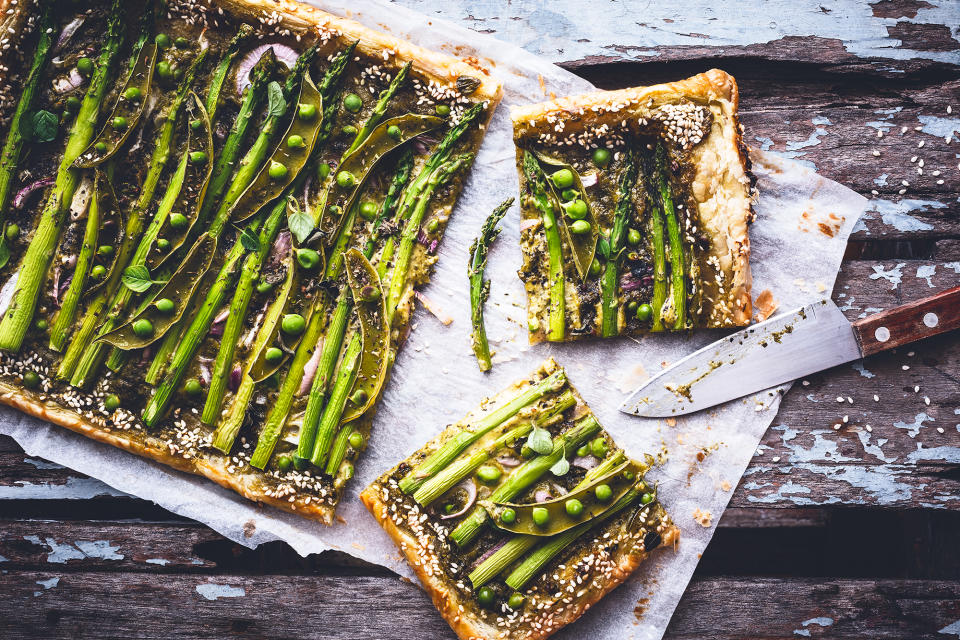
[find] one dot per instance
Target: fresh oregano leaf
(249, 240)
(4, 252)
(44, 126)
(300, 222)
(540, 441)
(276, 103)
(137, 278)
(562, 466)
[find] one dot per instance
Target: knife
(786, 347)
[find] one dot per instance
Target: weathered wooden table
(847, 524)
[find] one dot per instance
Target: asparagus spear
(223, 68)
(524, 476)
(537, 187)
(609, 284)
(659, 261)
(36, 261)
(463, 467)
(677, 315)
(519, 545)
(439, 459)
(84, 356)
(200, 323)
(480, 288)
(12, 147)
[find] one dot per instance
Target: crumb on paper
(671, 422)
(725, 485)
(765, 305)
(249, 528)
(821, 287)
(703, 518)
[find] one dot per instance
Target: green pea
(308, 258)
(628, 475)
(163, 244)
(73, 103)
(574, 507)
(349, 130)
(516, 601)
(323, 171)
(644, 312)
(31, 379)
(601, 157)
(599, 448)
(295, 142)
(193, 387)
(65, 115)
(307, 111)
(119, 123)
(533, 324)
(177, 73)
(488, 474)
(85, 66)
(368, 210)
(12, 232)
(105, 250)
(101, 147)
(540, 516)
(346, 179)
(196, 124)
(142, 328)
(164, 305)
(178, 221)
(580, 227)
(347, 469)
(433, 225)
(334, 210)
(443, 110)
(98, 272)
(394, 132)
(577, 209)
(132, 93)
(569, 194)
(562, 178)
(41, 324)
(284, 463)
(263, 287)
(583, 451)
(632, 306)
(449, 507)
(273, 355)
(111, 402)
(164, 70)
(485, 596)
(633, 237)
(293, 324)
(359, 397)
(181, 42)
(603, 492)
(352, 102)
(301, 464)
(162, 40)
(277, 170)
(355, 439)
(198, 157)
(508, 516)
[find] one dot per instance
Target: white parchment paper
(436, 380)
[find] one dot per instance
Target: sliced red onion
(68, 32)
(585, 462)
(222, 316)
(55, 290)
(433, 308)
(281, 248)
(629, 282)
(508, 461)
(216, 330)
(542, 495)
(428, 242)
(489, 552)
(471, 489)
(529, 223)
(81, 198)
(284, 54)
(205, 371)
(235, 375)
(589, 179)
(24, 193)
(310, 370)
(69, 82)
(146, 353)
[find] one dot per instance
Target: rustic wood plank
(142, 605)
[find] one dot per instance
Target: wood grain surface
(846, 522)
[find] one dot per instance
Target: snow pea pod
(126, 113)
(110, 233)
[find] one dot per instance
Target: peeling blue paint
(881, 180)
(940, 127)
(765, 143)
(914, 428)
(896, 214)
(160, 561)
(42, 464)
(211, 591)
(947, 454)
(62, 553)
(894, 276)
(859, 368)
(874, 449)
(927, 271)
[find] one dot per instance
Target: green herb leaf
(300, 222)
(4, 252)
(276, 103)
(137, 278)
(44, 126)
(603, 247)
(562, 466)
(540, 441)
(249, 240)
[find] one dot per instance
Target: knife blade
(783, 348)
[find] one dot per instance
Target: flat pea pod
(371, 306)
(582, 240)
(112, 225)
(194, 178)
(129, 109)
(272, 178)
(179, 288)
(553, 516)
(360, 162)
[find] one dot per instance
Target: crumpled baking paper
(436, 380)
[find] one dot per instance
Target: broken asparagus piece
(479, 287)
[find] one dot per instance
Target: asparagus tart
(213, 216)
(635, 208)
(522, 515)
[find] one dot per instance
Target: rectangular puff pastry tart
(214, 213)
(635, 208)
(522, 515)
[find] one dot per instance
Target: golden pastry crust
(720, 184)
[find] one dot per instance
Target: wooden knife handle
(909, 323)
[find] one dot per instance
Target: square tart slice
(522, 515)
(635, 208)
